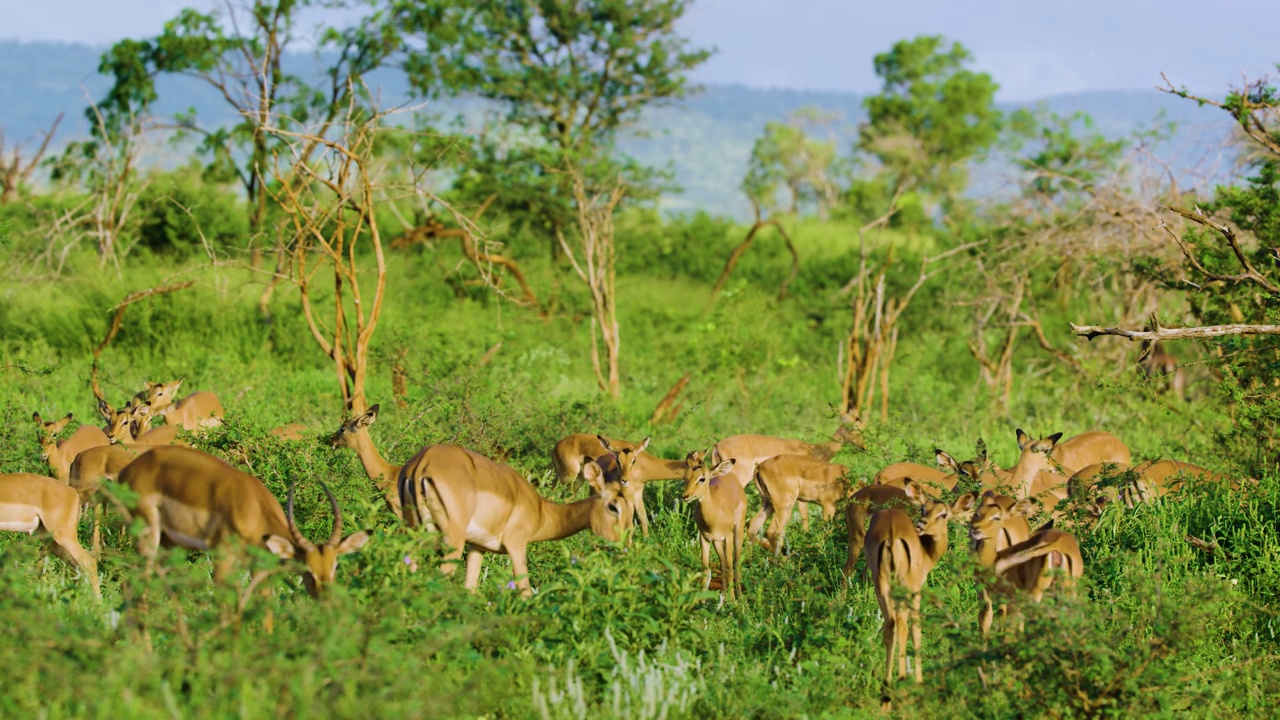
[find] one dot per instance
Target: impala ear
(282, 548)
(367, 419)
(915, 493)
(946, 462)
(1023, 507)
(982, 451)
(604, 443)
(723, 467)
(594, 475)
(644, 444)
(353, 542)
(1054, 438)
(36, 416)
(1023, 440)
(104, 409)
(964, 503)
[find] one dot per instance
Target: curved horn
(336, 536)
(298, 538)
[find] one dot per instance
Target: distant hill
(706, 138)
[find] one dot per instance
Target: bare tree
(596, 269)
(330, 208)
(16, 171)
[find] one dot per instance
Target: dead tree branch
(14, 172)
(1090, 332)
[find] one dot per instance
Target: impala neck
(827, 450)
(935, 544)
(375, 466)
(649, 467)
(59, 462)
(560, 520)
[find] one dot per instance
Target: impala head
(993, 512)
(626, 453)
(612, 513)
(120, 422)
(48, 432)
(319, 563)
(699, 477)
(935, 514)
(1035, 454)
(158, 395)
(351, 429)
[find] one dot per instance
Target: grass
(1158, 627)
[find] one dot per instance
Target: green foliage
(786, 157)
(1062, 162)
(178, 213)
(931, 115)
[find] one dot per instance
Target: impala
(483, 506)
(90, 468)
(197, 501)
(354, 434)
(1056, 461)
(862, 505)
(574, 452)
(1107, 483)
(721, 517)
(59, 455)
(900, 555)
(194, 412)
(784, 480)
(1047, 549)
(295, 432)
(998, 522)
(33, 502)
(132, 425)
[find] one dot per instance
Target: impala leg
(887, 635)
(474, 558)
(985, 613)
(737, 553)
(69, 547)
(915, 636)
(803, 507)
(706, 562)
(901, 626)
(759, 519)
(456, 539)
(519, 568)
(637, 502)
(96, 542)
(856, 531)
(726, 571)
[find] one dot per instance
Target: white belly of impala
(482, 538)
(19, 518)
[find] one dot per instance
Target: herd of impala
(898, 522)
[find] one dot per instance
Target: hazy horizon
(1032, 50)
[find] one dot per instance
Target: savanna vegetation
(503, 286)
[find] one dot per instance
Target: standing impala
(900, 555)
(34, 502)
(999, 522)
(197, 501)
(482, 506)
(354, 434)
(721, 517)
(572, 453)
(194, 412)
(783, 481)
(59, 455)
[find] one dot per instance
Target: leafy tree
(569, 74)
(1065, 156)
(786, 156)
(243, 57)
(931, 116)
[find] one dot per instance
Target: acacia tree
(569, 75)
(932, 115)
(15, 170)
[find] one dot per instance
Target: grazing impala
(354, 434)
(783, 481)
(33, 502)
(748, 451)
(197, 501)
(721, 517)
(94, 465)
(863, 503)
(900, 554)
(132, 425)
(999, 522)
(1103, 484)
(59, 455)
(572, 453)
(483, 506)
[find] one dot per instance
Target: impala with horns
(721, 517)
(354, 434)
(33, 502)
(482, 506)
(60, 454)
(900, 554)
(197, 501)
(572, 453)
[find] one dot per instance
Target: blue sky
(1032, 48)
